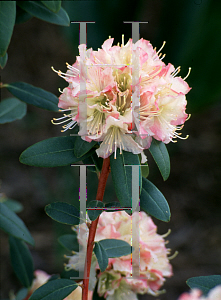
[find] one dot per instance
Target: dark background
(192, 30)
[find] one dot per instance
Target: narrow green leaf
(204, 283)
(33, 95)
(3, 60)
(63, 213)
(54, 277)
(21, 260)
(7, 22)
(160, 154)
(69, 242)
(145, 170)
(98, 161)
(95, 213)
(101, 255)
(53, 152)
(116, 248)
(13, 225)
(153, 202)
(144, 167)
(22, 293)
(119, 177)
(56, 289)
(132, 159)
(81, 147)
(13, 205)
(122, 176)
(54, 6)
(21, 15)
(12, 109)
(40, 11)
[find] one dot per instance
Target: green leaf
(56, 289)
(81, 147)
(69, 242)
(21, 15)
(204, 283)
(33, 95)
(21, 260)
(160, 154)
(12, 109)
(116, 248)
(40, 11)
(3, 60)
(95, 213)
(13, 205)
(7, 22)
(145, 170)
(13, 225)
(53, 152)
(101, 255)
(63, 213)
(122, 176)
(119, 177)
(153, 202)
(132, 159)
(22, 293)
(54, 6)
(98, 161)
(54, 277)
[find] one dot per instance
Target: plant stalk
(92, 230)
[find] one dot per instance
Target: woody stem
(92, 230)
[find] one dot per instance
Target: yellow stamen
(173, 256)
(187, 74)
(164, 42)
(122, 40)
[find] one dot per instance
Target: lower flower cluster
(151, 256)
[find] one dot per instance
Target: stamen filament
(187, 74)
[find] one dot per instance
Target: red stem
(92, 230)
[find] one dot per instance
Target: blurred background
(192, 31)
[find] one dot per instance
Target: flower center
(124, 95)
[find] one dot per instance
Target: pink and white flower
(153, 264)
(129, 87)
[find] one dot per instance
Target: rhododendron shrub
(120, 103)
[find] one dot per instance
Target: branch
(92, 230)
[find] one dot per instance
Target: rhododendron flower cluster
(196, 294)
(154, 266)
(123, 96)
